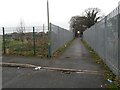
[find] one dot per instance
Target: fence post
(4, 48)
(34, 48)
(118, 42)
(43, 28)
(105, 39)
(58, 36)
(49, 42)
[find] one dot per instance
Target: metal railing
(25, 41)
(103, 37)
(34, 41)
(59, 37)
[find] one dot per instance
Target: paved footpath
(75, 57)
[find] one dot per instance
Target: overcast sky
(34, 12)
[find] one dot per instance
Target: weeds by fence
(34, 41)
(103, 37)
(59, 37)
(27, 42)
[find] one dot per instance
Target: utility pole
(49, 31)
(48, 15)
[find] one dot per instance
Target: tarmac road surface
(75, 57)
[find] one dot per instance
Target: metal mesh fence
(1, 41)
(26, 41)
(103, 38)
(59, 37)
(41, 41)
(29, 41)
(1, 57)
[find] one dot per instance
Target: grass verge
(107, 72)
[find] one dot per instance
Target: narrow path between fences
(75, 58)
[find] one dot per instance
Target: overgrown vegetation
(107, 72)
(16, 47)
(26, 47)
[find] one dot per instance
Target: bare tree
(21, 30)
(93, 15)
(89, 17)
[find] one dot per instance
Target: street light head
(78, 32)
